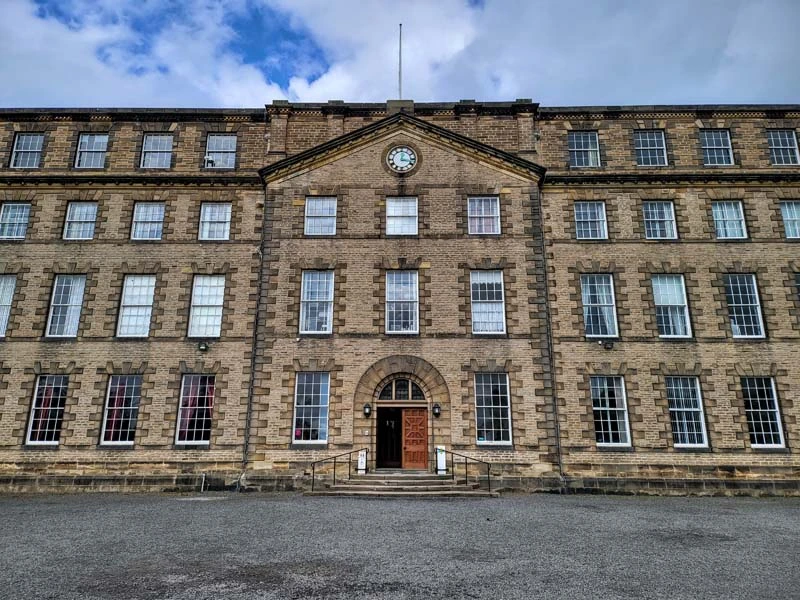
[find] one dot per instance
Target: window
(65, 307)
(401, 389)
(584, 150)
(672, 312)
(215, 221)
(195, 410)
(716, 145)
(79, 224)
(599, 309)
(91, 151)
(47, 411)
(401, 216)
(316, 304)
(790, 211)
(590, 221)
(311, 407)
(157, 151)
(763, 414)
(205, 316)
(220, 151)
(148, 221)
(14, 221)
(320, 216)
(7, 285)
(122, 409)
(650, 148)
(136, 306)
(27, 152)
(492, 408)
(402, 302)
(782, 147)
(686, 412)
(744, 308)
(483, 215)
(610, 411)
(488, 307)
(659, 220)
(729, 220)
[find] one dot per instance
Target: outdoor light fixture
(203, 346)
(367, 409)
(608, 345)
(437, 410)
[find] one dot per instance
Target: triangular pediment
(343, 145)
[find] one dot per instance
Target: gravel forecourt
(281, 546)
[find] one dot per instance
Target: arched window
(401, 389)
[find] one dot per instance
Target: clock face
(401, 159)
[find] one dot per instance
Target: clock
(401, 159)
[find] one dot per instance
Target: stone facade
(515, 152)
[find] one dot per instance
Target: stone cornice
(671, 178)
(162, 180)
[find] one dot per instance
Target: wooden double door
(402, 438)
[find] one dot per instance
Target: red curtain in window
(116, 403)
(42, 415)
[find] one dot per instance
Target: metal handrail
(466, 467)
(333, 458)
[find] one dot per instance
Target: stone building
(585, 297)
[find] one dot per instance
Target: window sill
(603, 448)
(771, 450)
(495, 446)
(51, 447)
(309, 446)
(115, 447)
(692, 449)
(313, 335)
(192, 446)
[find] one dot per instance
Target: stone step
(402, 488)
(404, 482)
(404, 493)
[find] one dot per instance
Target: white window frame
(669, 222)
(415, 302)
(475, 208)
(624, 410)
(147, 152)
(307, 304)
(647, 141)
(790, 147)
(73, 301)
(684, 306)
(17, 151)
(182, 408)
(326, 406)
(716, 145)
(3, 217)
(8, 285)
(790, 214)
(584, 281)
(129, 303)
(108, 408)
(757, 305)
(776, 412)
(582, 205)
(143, 206)
(226, 153)
(70, 219)
(212, 282)
(507, 407)
(35, 408)
(314, 205)
(212, 216)
(592, 151)
(674, 411)
(395, 229)
(721, 213)
(91, 152)
(474, 277)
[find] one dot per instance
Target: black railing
(455, 460)
(334, 459)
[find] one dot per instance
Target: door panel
(390, 442)
(415, 438)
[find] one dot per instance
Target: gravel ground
(246, 546)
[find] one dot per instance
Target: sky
(247, 53)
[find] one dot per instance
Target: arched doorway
(402, 425)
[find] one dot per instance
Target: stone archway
(370, 431)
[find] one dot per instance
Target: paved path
(247, 546)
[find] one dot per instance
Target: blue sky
(214, 53)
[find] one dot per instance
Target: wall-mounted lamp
(367, 409)
(437, 410)
(203, 346)
(608, 345)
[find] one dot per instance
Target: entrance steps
(402, 484)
